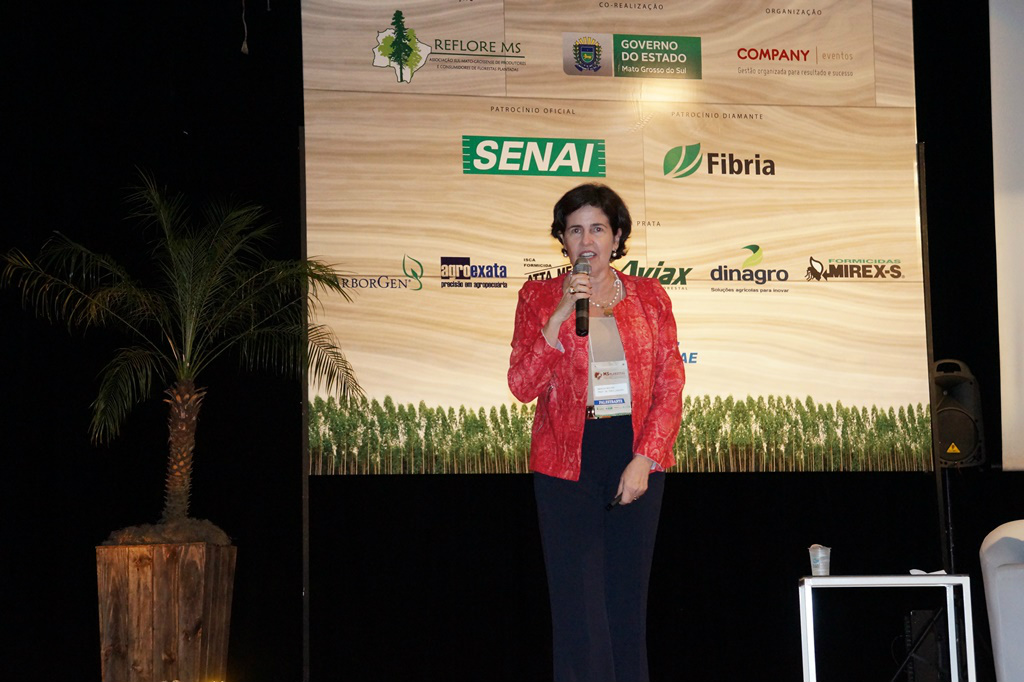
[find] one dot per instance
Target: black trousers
(599, 560)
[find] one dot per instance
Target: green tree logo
(680, 162)
(398, 48)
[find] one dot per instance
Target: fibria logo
(853, 268)
(532, 156)
(398, 48)
(749, 272)
(680, 162)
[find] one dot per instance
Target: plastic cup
(820, 559)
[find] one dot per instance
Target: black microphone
(582, 267)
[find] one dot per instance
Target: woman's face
(588, 232)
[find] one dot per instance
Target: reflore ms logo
(683, 161)
(397, 48)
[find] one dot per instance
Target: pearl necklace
(615, 296)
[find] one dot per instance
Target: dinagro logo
(398, 48)
(683, 161)
(532, 156)
(749, 272)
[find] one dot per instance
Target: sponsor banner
(842, 54)
(772, 189)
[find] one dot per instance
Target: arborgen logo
(412, 268)
(398, 48)
(532, 156)
(680, 162)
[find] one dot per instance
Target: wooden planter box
(165, 611)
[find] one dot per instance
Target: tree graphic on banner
(400, 48)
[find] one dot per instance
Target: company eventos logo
(772, 54)
(532, 156)
(683, 161)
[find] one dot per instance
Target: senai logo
(532, 156)
(749, 272)
(680, 162)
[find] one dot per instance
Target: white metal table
(951, 583)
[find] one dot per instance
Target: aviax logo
(680, 162)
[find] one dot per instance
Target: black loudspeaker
(927, 647)
(959, 435)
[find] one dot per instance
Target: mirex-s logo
(682, 161)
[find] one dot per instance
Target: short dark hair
(598, 196)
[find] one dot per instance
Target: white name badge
(611, 389)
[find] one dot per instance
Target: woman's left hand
(633, 482)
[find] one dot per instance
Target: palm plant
(210, 292)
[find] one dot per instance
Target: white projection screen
(1006, 24)
(766, 150)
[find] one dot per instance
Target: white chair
(1002, 568)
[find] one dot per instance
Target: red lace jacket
(558, 379)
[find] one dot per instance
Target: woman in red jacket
(608, 411)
